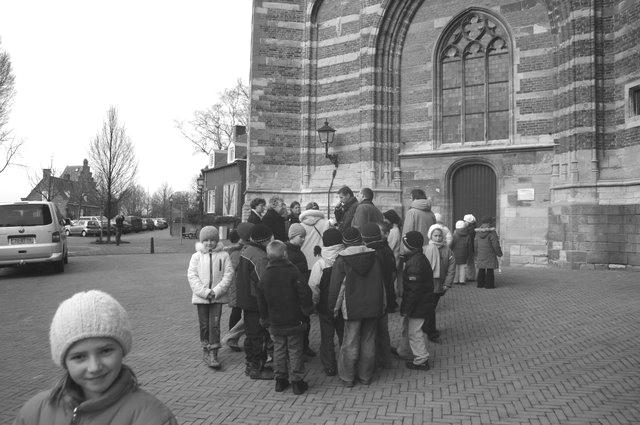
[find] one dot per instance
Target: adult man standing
(366, 212)
(119, 224)
(346, 209)
(419, 217)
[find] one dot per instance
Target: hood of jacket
(360, 258)
(421, 204)
(233, 248)
(200, 247)
(484, 230)
(329, 254)
(462, 232)
(311, 217)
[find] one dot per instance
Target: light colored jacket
(328, 256)
(201, 266)
(315, 224)
(419, 218)
(446, 233)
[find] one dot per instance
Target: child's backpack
(325, 280)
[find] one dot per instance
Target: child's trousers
(209, 321)
(460, 275)
(287, 356)
(413, 340)
(486, 278)
(328, 328)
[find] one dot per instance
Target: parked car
(126, 226)
(83, 228)
(150, 224)
(32, 232)
(136, 222)
(101, 220)
(160, 223)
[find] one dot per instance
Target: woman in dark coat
(275, 218)
(487, 249)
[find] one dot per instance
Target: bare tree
(47, 185)
(114, 163)
(135, 200)
(9, 146)
(160, 201)
(213, 127)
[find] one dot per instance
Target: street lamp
(200, 181)
(326, 133)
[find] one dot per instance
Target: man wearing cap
(366, 212)
(356, 291)
(253, 262)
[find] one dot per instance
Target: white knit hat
(461, 224)
(438, 217)
(91, 314)
(469, 218)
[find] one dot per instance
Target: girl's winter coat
(123, 404)
(417, 281)
(315, 224)
(202, 267)
(460, 246)
(444, 271)
(487, 247)
(319, 286)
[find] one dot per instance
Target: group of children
(352, 287)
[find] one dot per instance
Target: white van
(32, 232)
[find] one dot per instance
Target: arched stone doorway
(473, 190)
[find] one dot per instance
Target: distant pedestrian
(284, 300)
(90, 335)
(346, 209)
(258, 206)
(417, 294)
(470, 274)
(443, 266)
(119, 226)
(372, 238)
(366, 211)
(275, 218)
(357, 291)
(319, 282)
(419, 217)
(487, 250)
(315, 224)
(461, 251)
(210, 274)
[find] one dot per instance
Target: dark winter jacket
(283, 297)
(356, 286)
(123, 403)
(276, 223)
(234, 253)
(487, 247)
(471, 229)
(417, 284)
(388, 267)
(297, 257)
(344, 213)
(460, 246)
(365, 213)
(253, 262)
(254, 218)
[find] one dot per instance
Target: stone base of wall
(596, 237)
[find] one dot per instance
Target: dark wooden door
(474, 192)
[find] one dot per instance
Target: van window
(24, 215)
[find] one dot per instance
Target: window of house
(211, 201)
(634, 98)
(473, 85)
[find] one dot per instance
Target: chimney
(46, 173)
(219, 158)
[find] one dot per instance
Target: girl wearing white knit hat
(90, 335)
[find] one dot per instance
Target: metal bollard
(152, 247)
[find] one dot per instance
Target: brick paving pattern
(547, 346)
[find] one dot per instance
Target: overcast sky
(156, 61)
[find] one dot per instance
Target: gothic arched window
(473, 80)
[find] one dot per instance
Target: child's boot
(205, 353)
(299, 387)
(213, 358)
(281, 384)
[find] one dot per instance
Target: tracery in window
(474, 80)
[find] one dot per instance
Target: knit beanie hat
(371, 233)
(461, 224)
(331, 237)
(209, 233)
(244, 230)
(261, 233)
(351, 237)
(438, 217)
(469, 218)
(297, 229)
(413, 240)
(91, 314)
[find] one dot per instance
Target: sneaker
(421, 366)
(299, 387)
(233, 345)
(264, 375)
(281, 384)
(347, 384)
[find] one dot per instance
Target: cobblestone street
(546, 347)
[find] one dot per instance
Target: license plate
(22, 240)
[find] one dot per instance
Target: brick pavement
(547, 347)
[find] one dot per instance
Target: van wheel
(58, 266)
(84, 233)
(67, 232)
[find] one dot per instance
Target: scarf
(432, 252)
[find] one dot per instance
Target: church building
(527, 111)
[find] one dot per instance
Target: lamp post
(326, 133)
(200, 180)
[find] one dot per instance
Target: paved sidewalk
(546, 347)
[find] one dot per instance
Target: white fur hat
(469, 218)
(461, 224)
(91, 314)
(434, 227)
